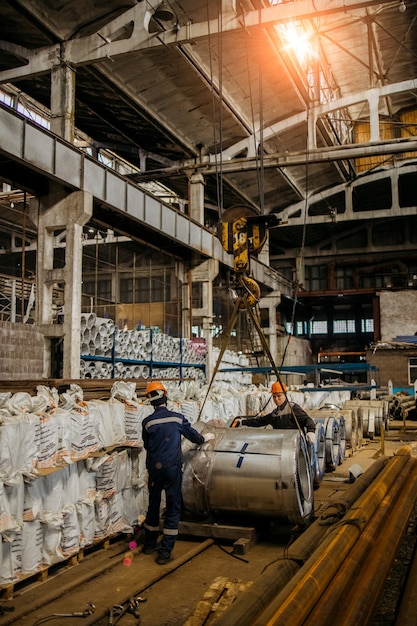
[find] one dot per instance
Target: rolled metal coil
(261, 472)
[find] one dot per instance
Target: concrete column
(52, 214)
(183, 273)
(63, 101)
(270, 302)
(300, 269)
(205, 273)
(196, 198)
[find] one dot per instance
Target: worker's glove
(312, 438)
(208, 437)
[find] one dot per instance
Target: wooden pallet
(217, 599)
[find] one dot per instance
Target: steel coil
(261, 472)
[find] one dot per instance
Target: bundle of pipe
(342, 583)
(99, 336)
(251, 471)
(193, 351)
(96, 369)
(88, 320)
(166, 372)
(400, 405)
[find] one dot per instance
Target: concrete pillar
(205, 273)
(52, 214)
(300, 270)
(270, 302)
(183, 273)
(196, 198)
(63, 101)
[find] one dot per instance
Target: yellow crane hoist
(242, 232)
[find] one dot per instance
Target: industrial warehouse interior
(218, 198)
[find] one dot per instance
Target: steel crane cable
(251, 99)
(274, 367)
(217, 144)
(303, 239)
(223, 347)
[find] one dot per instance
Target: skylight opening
(298, 41)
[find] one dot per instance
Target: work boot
(151, 542)
(163, 559)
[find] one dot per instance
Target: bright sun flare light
(297, 41)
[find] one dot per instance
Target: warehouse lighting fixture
(163, 12)
(401, 7)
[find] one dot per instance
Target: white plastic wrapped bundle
(70, 537)
(7, 523)
(32, 547)
(19, 442)
(84, 438)
(135, 413)
(103, 519)
(51, 548)
(33, 498)
(15, 496)
(11, 560)
(118, 522)
(109, 421)
(48, 441)
(86, 483)
(190, 410)
(86, 522)
(54, 498)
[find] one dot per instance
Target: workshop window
(343, 277)
(143, 290)
(316, 277)
(367, 326)
(412, 370)
(319, 327)
(344, 326)
(98, 288)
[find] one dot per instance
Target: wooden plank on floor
(217, 531)
(231, 590)
(217, 599)
(205, 605)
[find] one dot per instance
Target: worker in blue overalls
(162, 432)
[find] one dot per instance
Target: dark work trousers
(168, 480)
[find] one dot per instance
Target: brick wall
(392, 364)
(21, 351)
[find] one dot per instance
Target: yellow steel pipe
(406, 615)
(297, 599)
(353, 592)
(377, 567)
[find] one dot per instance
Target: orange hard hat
(155, 385)
(278, 388)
